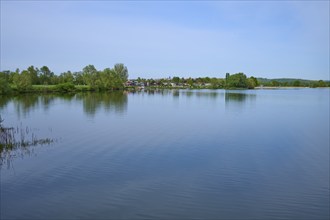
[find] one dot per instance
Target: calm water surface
(210, 154)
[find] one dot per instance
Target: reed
(20, 137)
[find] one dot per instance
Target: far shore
(44, 89)
(286, 87)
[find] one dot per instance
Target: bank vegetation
(43, 80)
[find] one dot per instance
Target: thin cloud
(263, 39)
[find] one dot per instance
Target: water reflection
(175, 158)
(92, 102)
(208, 94)
(236, 100)
(115, 101)
(162, 92)
(17, 141)
(3, 101)
(176, 93)
(237, 96)
(7, 157)
(25, 103)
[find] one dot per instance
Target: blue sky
(270, 39)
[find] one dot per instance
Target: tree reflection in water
(18, 141)
(92, 102)
(236, 100)
(110, 102)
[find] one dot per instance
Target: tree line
(293, 83)
(34, 79)
(238, 80)
(23, 81)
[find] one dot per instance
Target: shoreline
(51, 89)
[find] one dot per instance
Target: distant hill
(284, 80)
(292, 82)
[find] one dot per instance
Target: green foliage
(321, 83)
(275, 83)
(83, 88)
(108, 79)
(33, 73)
(89, 75)
(44, 88)
(91, 79)
(23, 81)
(227, 76)
(176, 79)
(292, 82)
(78, 78)
(66, 77)
(256, 83)
(217, 83)
(42, 80)
(296, 83)
(190, 82)
(46, 76)
(65, 87)
(237, 80)
(121, 71)
(4, 84)
(251, 83)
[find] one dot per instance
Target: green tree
(10, 77)
(190, 81)
(90, 75)
(4, 83)
(66, 77)
(237, 80)
(227, 78)
(23, 81)
(105, 79)
(176, 79)
(217, 83)
(275, 83)
(256, 83)
(251, 83)
(321, 83)
(109, 79)
(296, 83)
(5, 75)
(46, 76)
(121, 71)
(207, 80)
(117, 79)
(78, 78)
(33, 72)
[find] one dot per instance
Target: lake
(169, 154)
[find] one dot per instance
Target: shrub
(65, 87)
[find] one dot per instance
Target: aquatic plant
(19, 138)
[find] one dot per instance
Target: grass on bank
(63, 87)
